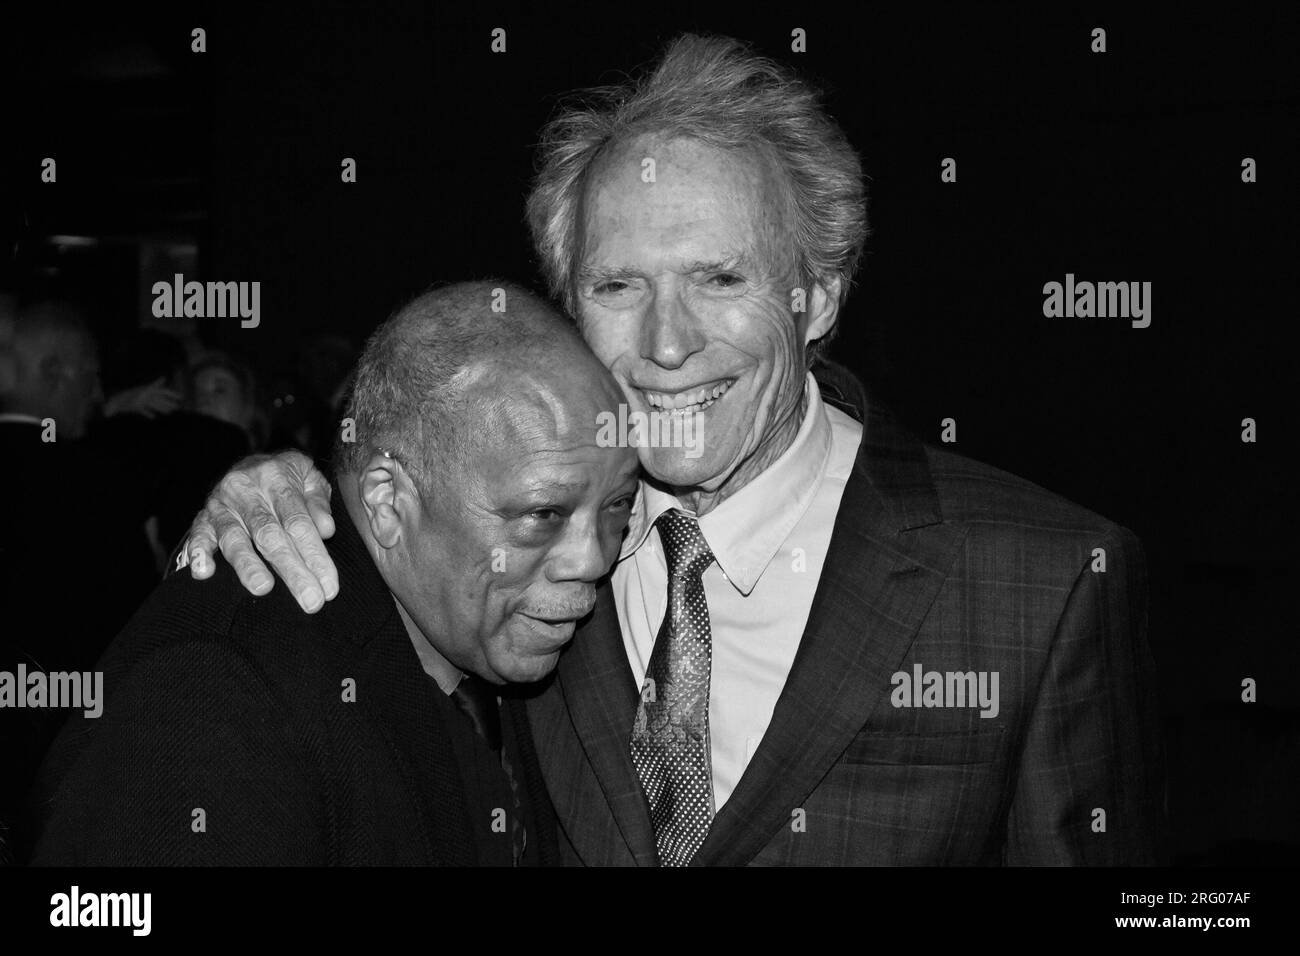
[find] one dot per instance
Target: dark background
(1122, 166)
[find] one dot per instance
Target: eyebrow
(601, 272)
(699, 265)
(545, 488)
(718, 265)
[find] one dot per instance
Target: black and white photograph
(455, 436)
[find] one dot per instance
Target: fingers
(306, 516)
(318, 492)
(311, 577)
(237, 548)
(148, 400)
(162, 401)
(199, 549)
(279, 548)
(272, 509)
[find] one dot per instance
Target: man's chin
(526, 669)
(675, 467)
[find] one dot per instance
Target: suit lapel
(601, 698)
(394, 689)
(888, 556)
(401, 695)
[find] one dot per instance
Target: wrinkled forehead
(534, 406)
(541, 444)
(681, 191)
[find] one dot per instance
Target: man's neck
(702, 501)
(446, 674)
(435, 665)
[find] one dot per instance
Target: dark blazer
(935, 560)
(220, 701)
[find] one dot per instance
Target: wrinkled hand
(275, 505)
(148, 400)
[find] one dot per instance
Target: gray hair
(408, 396)
(716, 90)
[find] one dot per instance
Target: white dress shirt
(769, 540)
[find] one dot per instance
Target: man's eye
(726, 280)
(612, 287)
(623, 503)
(544, 514)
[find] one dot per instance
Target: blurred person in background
(225, 388)
(169, 454)
(50, 479)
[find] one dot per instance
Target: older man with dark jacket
(480, 511)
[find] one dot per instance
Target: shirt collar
(746, 530)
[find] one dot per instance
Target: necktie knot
(685, 549)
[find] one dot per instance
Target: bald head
(465, 365)
(480, 478)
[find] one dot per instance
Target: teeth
(697, 400)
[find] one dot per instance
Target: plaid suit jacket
(936, 561)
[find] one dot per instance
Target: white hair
(715, 90)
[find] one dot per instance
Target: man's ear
(823, 310)
(388, 496)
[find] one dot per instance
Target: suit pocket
(937, 748)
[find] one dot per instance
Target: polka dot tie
(670, 741)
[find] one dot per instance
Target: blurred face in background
(219, 392)
(52, 370)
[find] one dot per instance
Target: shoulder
(197, 632)
(999, 510)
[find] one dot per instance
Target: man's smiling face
(684, 292)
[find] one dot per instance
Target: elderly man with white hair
(824, 641)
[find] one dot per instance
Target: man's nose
(579, 555)
(670, 333)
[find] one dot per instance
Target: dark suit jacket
(234, 704)
(49, 493)
(935, 560)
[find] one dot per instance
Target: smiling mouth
(687, 401)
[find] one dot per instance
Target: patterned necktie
(670, 741)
